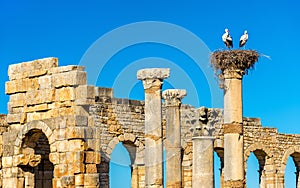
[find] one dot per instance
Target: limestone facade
(60, 132)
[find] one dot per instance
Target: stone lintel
(233, 74)
(173, 96)
(233, 128)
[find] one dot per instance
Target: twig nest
(233, 60)
(223, 61)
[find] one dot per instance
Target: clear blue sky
(67, 29)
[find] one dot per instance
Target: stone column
(173, 136)
(152, 81)
(203, 153)
(233, 130)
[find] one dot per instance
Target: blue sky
(68, 29)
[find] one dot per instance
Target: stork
(244, 38)
(227, 39)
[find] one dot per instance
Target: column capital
(203, 129)
(152, 77)
(233, 74)
(173, 96)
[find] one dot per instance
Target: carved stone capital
(233, 74)
(153, 73)
(152, 78)
(173, 96)
(202, 131)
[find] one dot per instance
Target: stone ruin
(59, 132)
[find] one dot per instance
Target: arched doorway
(291, 175)
(36, 167)
(255, 173)
(120, 167)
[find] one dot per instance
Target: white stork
(244, 38)
(227, 39)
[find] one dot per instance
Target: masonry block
(92, 157)
(79, 179)
(60, 170)
(77, 145)
(91, 179)
(75, 156)
(72, 78)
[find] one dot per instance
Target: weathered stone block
(77, 120)
(67, 181)
(67, 68)
(76, 167)
(45, 82)
(73, 78)
(60, 170)
(92, 157)
(54, 158)
(7, 161)
(81, 110)
(40, 96)
(77, 145)
(79, 179)
(65, 94)
(14, 118)
(17, 99)
(93, 144)
(36, 108)
(85, 92)
(103, 92)
(62, 146)
(75, 132)
(90, 168)
(91, 179)
(75, 156)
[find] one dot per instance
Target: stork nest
(242, 60)
(233, 59)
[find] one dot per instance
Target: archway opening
(291, 175)
(219, 167)
(120, 167)
(255, 172)
(252, 175)
(38, 170)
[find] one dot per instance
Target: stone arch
(32, 149)
(40, 125)
(293, 151)
(266, 163)
(135, 149)
(131, 143)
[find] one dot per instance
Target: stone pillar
(203, 153)
(152, 81)
(173, 136)
(233, 130)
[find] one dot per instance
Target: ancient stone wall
(60, 132)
